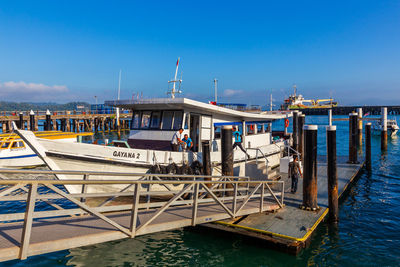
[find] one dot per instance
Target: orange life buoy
(251, 127)
(286, 123)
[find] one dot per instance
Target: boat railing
(229, 195)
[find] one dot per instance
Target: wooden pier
(67, 121)
(152, 204)
(291, 228)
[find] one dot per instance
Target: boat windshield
(5, 145)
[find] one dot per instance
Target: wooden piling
(48, 121)
(384, 129)
(310, 188)
(295, 130)
(332, 175)
(302, 120)
(21, 121)
(227, 151)
(206, 159)
(32, 120)
(368, 145)
(353, 128)
(360, 127)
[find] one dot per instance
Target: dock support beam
(295, 129)
(310, 187)
(332, 175)
(227, 151)
(302, 120)
(368, 145)
(384, 129)
(32, 120)
(353, 128)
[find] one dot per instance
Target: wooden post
(226, 151)
(302, 120)
(32, 120)
(332, 175)
(360, 127)
(21, 121)
(368, 145)
(68, 125)
(48, 121)
(295, 130)
(310, 188)
(206, 159)
(353, 128)
(384, 129)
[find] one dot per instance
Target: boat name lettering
(126, 155)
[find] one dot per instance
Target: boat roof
(196, 106)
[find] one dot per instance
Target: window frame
(161, 122)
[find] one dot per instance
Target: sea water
(368, 233)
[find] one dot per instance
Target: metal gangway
(40, 216)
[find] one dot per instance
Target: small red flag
(177, 62)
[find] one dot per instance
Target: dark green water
(368, 233)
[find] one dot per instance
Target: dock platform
(150, 209)
(291, 228)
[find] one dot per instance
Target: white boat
(392, 127)
(154, 122)
(14, 153)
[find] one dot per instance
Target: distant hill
(25, 106)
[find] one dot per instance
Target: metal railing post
(84, 187)
(26, 231)
(195, 203)
(262, 197)
(135, 208)
(235, 190)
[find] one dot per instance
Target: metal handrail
(66, 172)
(237, 201)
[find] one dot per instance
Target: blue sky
(73, 50)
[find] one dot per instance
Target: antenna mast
(215, 90)
(119, 93)
(174, 91)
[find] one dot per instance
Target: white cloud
(22, 91)
(231, 92)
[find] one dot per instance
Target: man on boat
(238, 140)
(177, 140)
(189, 142)
(294, 172)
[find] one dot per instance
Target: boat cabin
(154, 122)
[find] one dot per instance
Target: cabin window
(167, 120)
(178, 116)
(145, 119)
(260, 128)
(217, 132)
(15, 145)
(186, 121)
(135, 120)
(155, 119)
(5, 145)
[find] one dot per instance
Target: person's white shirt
(175, 137)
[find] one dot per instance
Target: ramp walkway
(47, 218)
